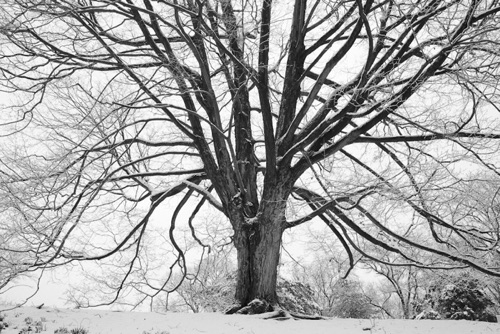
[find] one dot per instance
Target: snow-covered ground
(109, 322)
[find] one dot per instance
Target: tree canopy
(370, 116)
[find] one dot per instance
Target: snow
(110, 322)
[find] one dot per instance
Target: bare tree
(404, 283)
(324, 268)
(259, 109)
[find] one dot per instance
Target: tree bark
(258, 244)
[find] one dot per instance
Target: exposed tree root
(299, 316)
(280, 314)
(232, 309)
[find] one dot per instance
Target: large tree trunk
(258, 243)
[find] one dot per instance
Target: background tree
(256, 108)
(351, 302)
(321, 265)
(401, 284)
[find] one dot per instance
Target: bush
(297, 297)
(463, 298)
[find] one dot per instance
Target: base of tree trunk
(256, 306)
(268, 311)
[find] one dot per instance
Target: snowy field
(109, 322)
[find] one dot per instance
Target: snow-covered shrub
(297, 297)
(463, 298)
(215, 297)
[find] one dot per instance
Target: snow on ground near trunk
(109, 322)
